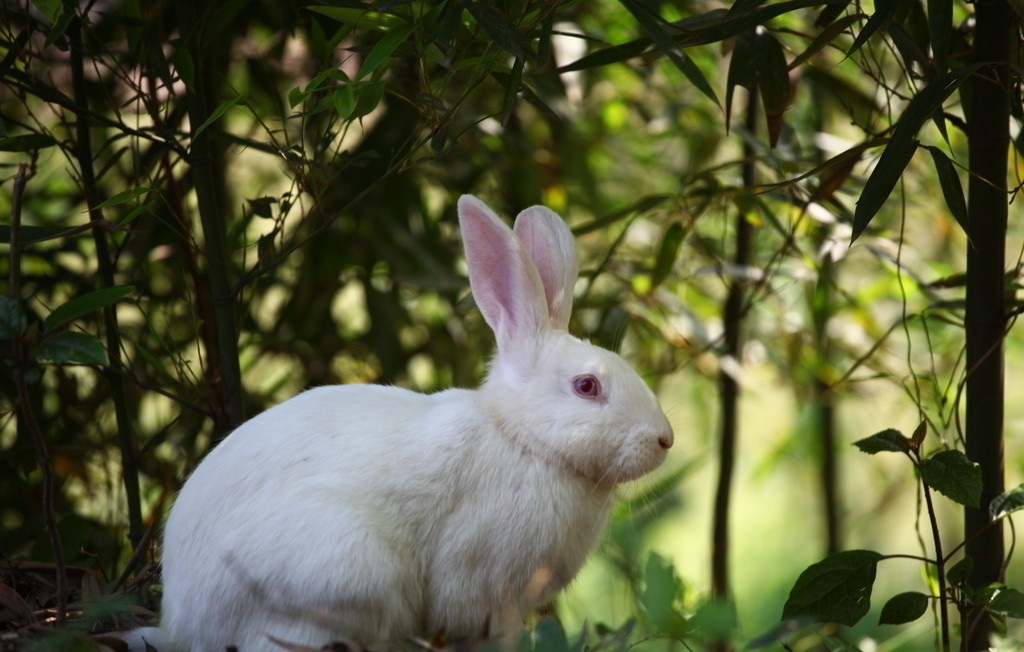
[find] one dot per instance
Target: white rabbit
(372, 514)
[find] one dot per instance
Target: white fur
(374, 513)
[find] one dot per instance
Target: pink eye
(586, 386)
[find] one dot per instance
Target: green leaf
(759, 65)
(345, 101)
(221, 109)
(12, 318)
(902, 145)
(904, 608)
(26, 142)
(826, 36)
(958, 574)
(887, 441)
(949, 181)
(49, 8)
(70, 347)
(224, 13)
(667, 253)
(368, 96)
(661, 588)
(940, 23)
(262, 206)
(1007, 601)
(182, 60)
(360, 17)
(1007, 502)
(502, 32)
(953, 475)
(125, 196)
(381, 53)
(512, 91)
(651, 24)
(836, 589)
(884, 9)
(84, 305)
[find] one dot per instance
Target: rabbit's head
(576, 405)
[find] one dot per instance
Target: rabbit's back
(300, 522)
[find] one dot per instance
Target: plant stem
(728, 386)
(940, 563)
(985, 316)
(115, 371)
(27, 417)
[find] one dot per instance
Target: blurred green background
(229, 202)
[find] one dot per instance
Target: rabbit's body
(375, 513)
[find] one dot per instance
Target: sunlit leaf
(70, 347)
(836, 589)
(1007, 601)
(85, 304)
(1007, 502)
(904, 608)
(954, 476)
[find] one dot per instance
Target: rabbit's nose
(665, 439)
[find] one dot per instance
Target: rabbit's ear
(550, 244)
(502, 276)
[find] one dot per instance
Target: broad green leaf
(953, 475)
(502, 32)
(949, 181)
(902, 145)
(1007, 601)
(887, 441)
(26, 142)
(360, 17)
(904, 608)
(12, 318)
(1007, 502)
(368, 96)
(957, 574)
(70, 347)
(296, 96)
(667, 253)
(124, 196)
(381, 53)
(661, 588)
(651, 24)
(836, 589)
(221, 109)
(84, 305)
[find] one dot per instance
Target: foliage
(215, 205)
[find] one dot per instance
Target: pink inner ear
(504, 280)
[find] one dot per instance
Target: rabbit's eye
(586, 386)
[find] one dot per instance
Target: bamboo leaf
(84, 305)
(124, 196)
(381, 53)
(884, 10)
(360, 17)
(667, 253)
(836, 589)
(512, 90)
(221, 109)
(651, 24)
(902, 145)
(940, 22)
(26, 142)
(504, 33)
(949, 181)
